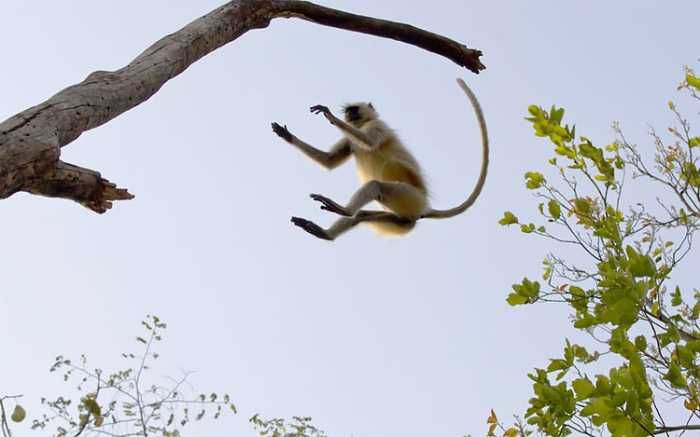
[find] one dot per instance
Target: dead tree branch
(31, 141)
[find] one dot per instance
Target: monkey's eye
(351, 109)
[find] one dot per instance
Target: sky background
(372, 337)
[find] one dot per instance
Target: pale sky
(372, 337)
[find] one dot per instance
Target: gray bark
(31, 141)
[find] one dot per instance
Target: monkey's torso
(388, 162)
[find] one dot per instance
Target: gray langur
(390, 174)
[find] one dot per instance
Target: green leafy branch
(620, 295)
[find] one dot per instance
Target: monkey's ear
(370, 105)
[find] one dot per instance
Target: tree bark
(31, 141)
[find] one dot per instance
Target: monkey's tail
(446, 213)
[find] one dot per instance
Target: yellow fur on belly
(391, 229)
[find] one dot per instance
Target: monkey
(389, 172)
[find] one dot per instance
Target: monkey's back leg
(401, 198)
(383, 221)
(386, 223)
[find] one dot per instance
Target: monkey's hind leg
(340, 226)
(367, 193)
(330, 205)
(344, 224)
(384, 219)
(312, 228)
(403, 199)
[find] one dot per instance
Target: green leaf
(565, 151)
(18, 414)
(676, 298)
(92, 406)
(585, 321)
(597, 406)
(515, 299)
(511, 432)
(685, 356)
(694, 142)
(623, 312)
(525, 292)
(579, 300)
(603, 387)
(534, 180)
(508, 219)
(554, 209)
(556, 115)
(640, 265)
(640, 342)
(591, 152)
(655, 308)
(557, 364)
(621, 426)
(527, 229)
(534, 110)
(693, 80)
(583, 388)
(675, 377)
(583, 206)
(612, 147)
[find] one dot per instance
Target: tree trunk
(31, 141)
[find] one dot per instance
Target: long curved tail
(446, 213)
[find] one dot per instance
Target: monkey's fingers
(311, 227)
(317, 109)
(282, 132)
(330, 205)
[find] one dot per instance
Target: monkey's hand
(320, 109)
(330, 205)
(282, 132)
(311, 227)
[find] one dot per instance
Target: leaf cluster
(619, 291)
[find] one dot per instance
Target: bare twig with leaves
(297, 427)
(123, 403)
(18, 414)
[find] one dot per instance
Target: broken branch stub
(31, 141)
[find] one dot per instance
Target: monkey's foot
(330, 205)
(282, 132)
(312, 228)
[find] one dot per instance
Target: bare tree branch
(438, 44)
(666, 429)
(31, 141)
(80, 184)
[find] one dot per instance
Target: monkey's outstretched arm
(338, 153)
(364, 140)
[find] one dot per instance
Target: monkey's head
(358, 114)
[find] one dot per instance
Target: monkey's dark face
(359, 113)
(352, 113)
